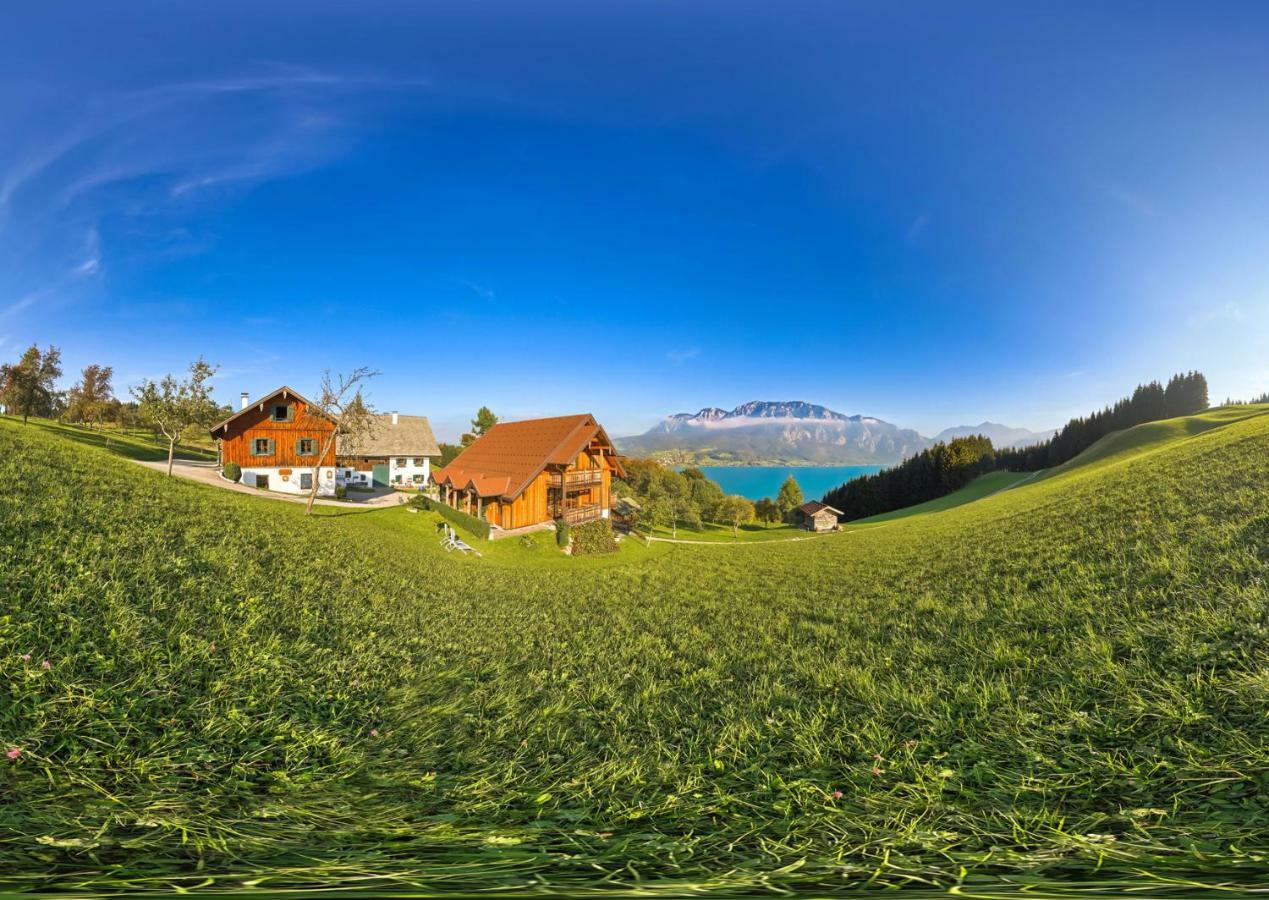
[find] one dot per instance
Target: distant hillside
(1000, 435)
(775, 432)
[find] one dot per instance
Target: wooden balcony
(576, 515)
(576, 478)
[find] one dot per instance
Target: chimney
(244, 401)
(394, 418)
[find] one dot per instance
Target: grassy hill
(1059, 684)
(980, 487)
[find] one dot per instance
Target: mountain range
(764, 432)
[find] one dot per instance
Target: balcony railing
(576, 478)
(575, 515)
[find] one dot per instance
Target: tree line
(945, 468)
(1184, 395)
(932, 473)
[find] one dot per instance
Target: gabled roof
(504, 460)
(410, 436)
(284, 392)
(815, 506)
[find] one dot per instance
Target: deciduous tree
(340, 400)
(766, 511)
(86, 401)
(173, 406)
(735, 511)
(789, 498)
(27, 386)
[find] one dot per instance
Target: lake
(756, 482)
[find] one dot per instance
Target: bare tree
(340, 400)
(172, 406)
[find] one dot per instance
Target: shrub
(594, 537)
(478, 527)
(561, 532)
(340, 492)
(232, 471)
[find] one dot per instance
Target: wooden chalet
(521, 474)
(817, 516)
(276, 441)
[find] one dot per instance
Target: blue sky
(932, 213)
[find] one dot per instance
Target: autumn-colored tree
(86, 402)
(27, 386)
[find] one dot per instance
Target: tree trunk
(171, 452)
(317, 472)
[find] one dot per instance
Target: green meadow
(1060, 686)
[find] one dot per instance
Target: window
(305, 447)
(418, 463)
(401, 463)
(282, 412)
(262, 447)
(418, 478)
(306, 481)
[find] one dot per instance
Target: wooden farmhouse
(521, 474)
(817, 516)
(277, 439)
(397, 450)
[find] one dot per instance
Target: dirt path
(810, 537)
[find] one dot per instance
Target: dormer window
(282, 412)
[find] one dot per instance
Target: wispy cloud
(1225, 312)
(680, 356)
(485, 293)
(139, 159)
(1126, 198)
(918, 227)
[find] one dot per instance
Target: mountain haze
(1000, 435)
(794, 432)
(776, 432)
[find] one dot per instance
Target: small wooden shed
(817, 516)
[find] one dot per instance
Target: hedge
(478, 527)
(594, 537)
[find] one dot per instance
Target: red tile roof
(505, 460)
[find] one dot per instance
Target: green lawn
(1058, 686)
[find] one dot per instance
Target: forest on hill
(947, 467)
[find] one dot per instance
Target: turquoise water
(756, 482)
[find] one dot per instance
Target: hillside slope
(1063, 682)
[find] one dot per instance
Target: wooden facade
(509, 485)
(280, 431)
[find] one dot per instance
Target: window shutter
(299, 446)
(272, 446)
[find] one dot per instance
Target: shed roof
(410, 436)
(812, 507)
(504, 460)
